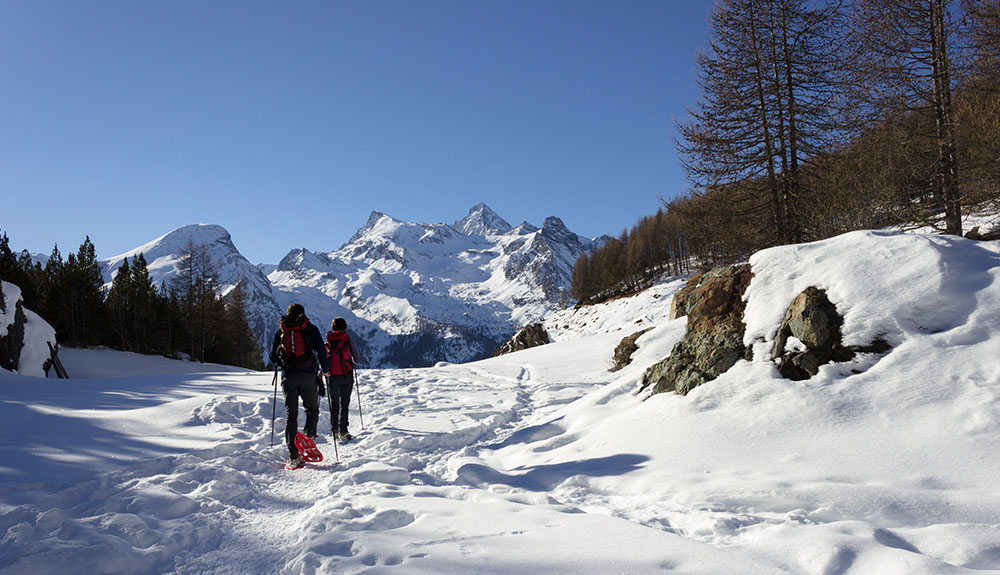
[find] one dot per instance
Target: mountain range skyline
(469, 225)
(415, 293)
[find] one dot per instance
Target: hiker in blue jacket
(296, 348)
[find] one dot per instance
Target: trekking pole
(361, 416)
(274, 402)
(333, 420)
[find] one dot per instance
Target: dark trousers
(295, 385)
(340, 398)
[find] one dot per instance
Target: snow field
(544, 462)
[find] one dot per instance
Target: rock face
(681, 303)
(714, 339)
(532, 335)
(625, 349)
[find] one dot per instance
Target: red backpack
(297, 356)
(338, 349)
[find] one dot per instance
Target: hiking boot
(345, 436)
(295, 463)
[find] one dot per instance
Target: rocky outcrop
(681, 302)
(532, 335)
(714, 338)
(810, 336)
(625, 349)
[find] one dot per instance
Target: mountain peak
(374, 220)
(482, 221)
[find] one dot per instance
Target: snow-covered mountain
(421, 293)
(414, 294)
(162, 256)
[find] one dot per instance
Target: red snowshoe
(307, 448)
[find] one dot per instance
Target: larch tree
(768, 105)
(902, 59)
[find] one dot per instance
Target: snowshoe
(307, 448)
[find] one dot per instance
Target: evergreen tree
(54, 294)
(8, 260)
(246, 349)
(83, 296)
(120, 306)
(197, 286)
(143, 303)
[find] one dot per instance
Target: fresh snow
(542, 461)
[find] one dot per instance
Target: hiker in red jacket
(343, 357)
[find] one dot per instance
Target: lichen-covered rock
(681, 301)
(810, 336)
(626, 347)
(532, 335)
(714, 339)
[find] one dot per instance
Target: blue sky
(289, 122)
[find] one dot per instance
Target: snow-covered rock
(482, 221)
(24, 336)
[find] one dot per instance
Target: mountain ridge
(413, 293)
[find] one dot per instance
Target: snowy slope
(162, 256)
(420, 293)
(544, 462)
